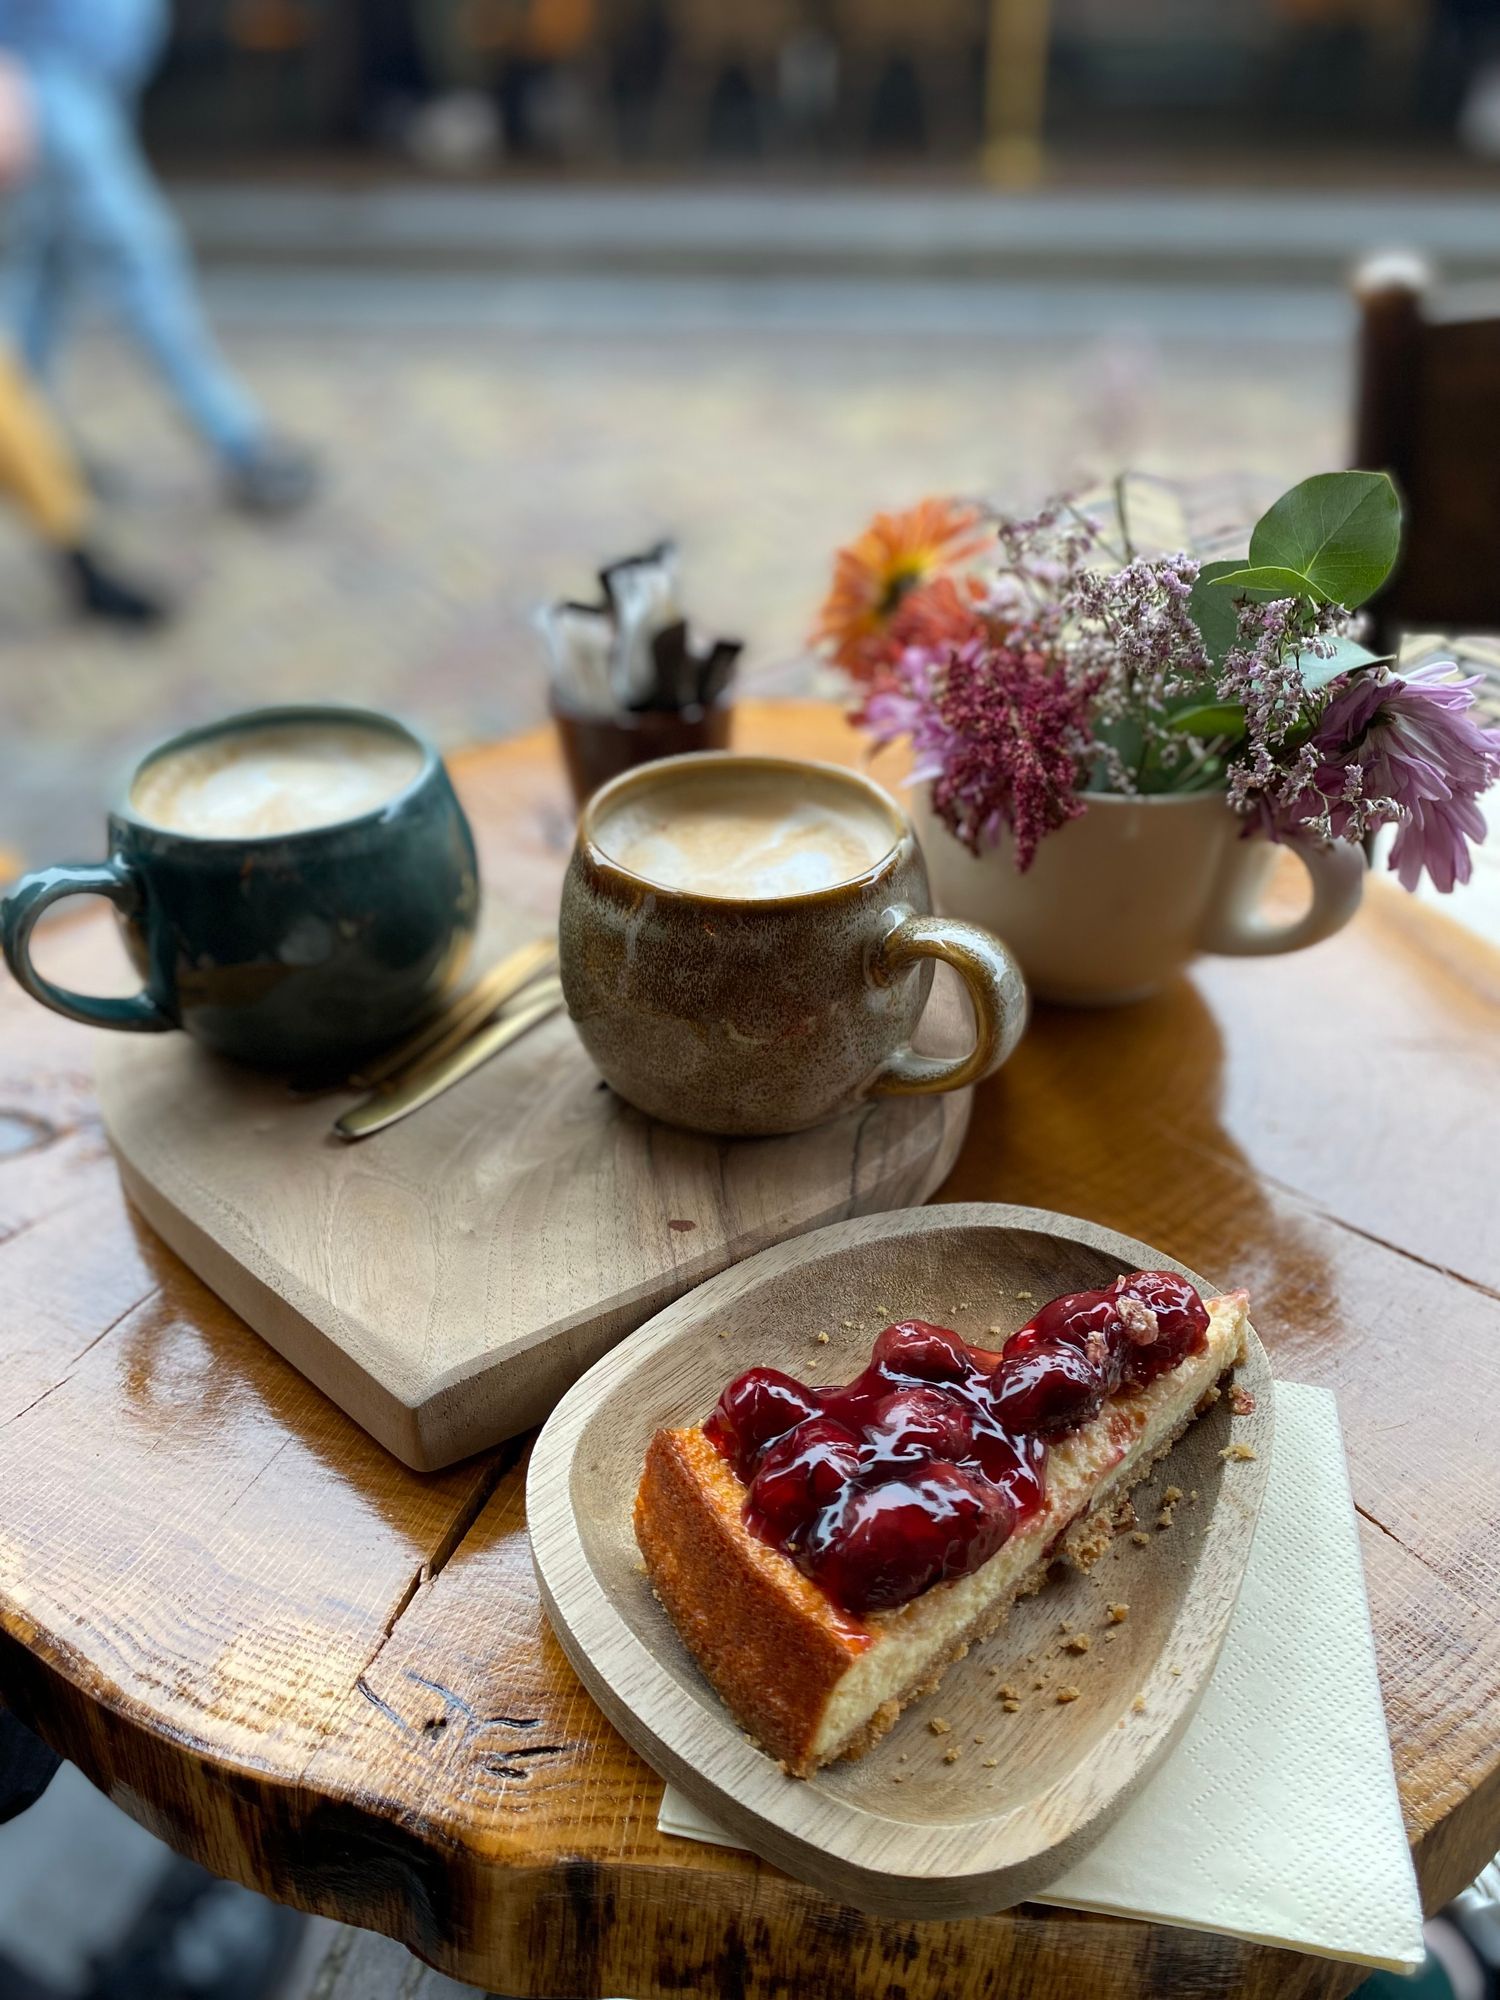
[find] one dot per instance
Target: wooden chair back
(1428, 412)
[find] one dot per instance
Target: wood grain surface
(444, 1281)
(330, 1677)
(923, 1825)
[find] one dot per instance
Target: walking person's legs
(37, 277)
(108, 217)
(39, 474)
(36, 265)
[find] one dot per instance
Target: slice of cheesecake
(827, 1554)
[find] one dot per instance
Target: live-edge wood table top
(329, 1677)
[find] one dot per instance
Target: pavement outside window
(492, 432)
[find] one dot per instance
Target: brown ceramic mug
(748, 945)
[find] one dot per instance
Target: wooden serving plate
(446, 1280)
(903, 1833)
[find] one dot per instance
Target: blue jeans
(92, 213)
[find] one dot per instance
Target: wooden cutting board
(446, 1280)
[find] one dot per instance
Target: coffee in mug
(283, 778)
(747, 946)
(296, 887)
(739, 830)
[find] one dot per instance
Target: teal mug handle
(114, 879)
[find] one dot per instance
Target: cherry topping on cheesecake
(922, 1466)
(1165, 1321)
(1049, 1387)
(877, 1546)
(913, 1350)
(757, 1408)
(800, 1473)
(915, 1424)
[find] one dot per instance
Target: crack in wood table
(329, 1677)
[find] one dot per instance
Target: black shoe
(98, 592)
(274, 477)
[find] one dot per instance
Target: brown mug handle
(995, 987)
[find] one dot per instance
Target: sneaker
(275, 476)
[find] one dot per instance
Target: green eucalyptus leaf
(1340, 530)
(1268, 581)
(1348, 657)
(1210, 719)
(1214, 612)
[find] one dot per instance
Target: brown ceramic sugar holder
(599, 746)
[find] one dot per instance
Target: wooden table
(329, 1677)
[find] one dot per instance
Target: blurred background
(540, 279)
(524, 284)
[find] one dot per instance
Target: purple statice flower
(1397, 749)
(1131, 629)
(1262, 671)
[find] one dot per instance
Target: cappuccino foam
(280, 778)
(751, 834)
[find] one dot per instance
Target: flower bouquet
(1112, 737)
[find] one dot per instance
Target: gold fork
(452, 1025)
(429, 1076)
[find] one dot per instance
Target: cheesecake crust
(768, 1639)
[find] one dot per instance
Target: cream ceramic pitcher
(1118, 901)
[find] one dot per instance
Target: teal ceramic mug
(296, 886)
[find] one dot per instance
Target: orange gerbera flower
(876, 575)
(944, 611)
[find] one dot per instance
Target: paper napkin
(1275, 1817)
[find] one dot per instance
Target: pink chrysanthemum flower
(1404, 749)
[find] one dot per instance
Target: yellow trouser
(36, 467)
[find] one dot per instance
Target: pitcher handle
(1337, 872)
